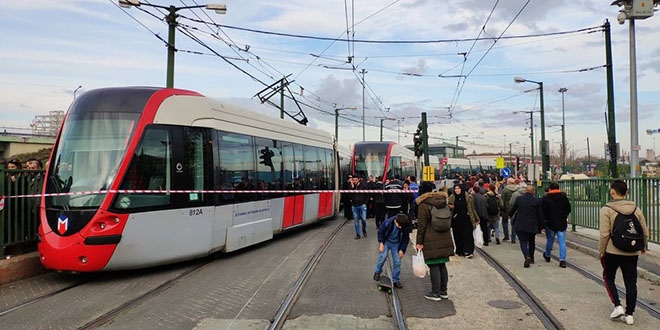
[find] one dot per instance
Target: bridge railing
(19, 216)
(589, 196)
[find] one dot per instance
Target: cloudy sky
(453, 59)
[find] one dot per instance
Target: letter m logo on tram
(62, 224)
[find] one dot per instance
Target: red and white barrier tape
(133, 191)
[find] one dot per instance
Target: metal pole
(531, 135)
(363, 118)
(171, 22)
(545, 159)
(611, 127)
(337, 125)
(381, 129)
(634, 138)
(563, 131)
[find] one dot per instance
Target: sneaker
(468, 256)
(444, 295)
(398, 285)
(364, 234)
(485, 243)
(497, 241)
(628, 319)
(432, 296)
(376, 276)
(492, 233)
(562, 263)
(547, 258)
(527, 262)
(532, 261)
(357, 236)
(513, 241)
(618, 311)
(505, 239)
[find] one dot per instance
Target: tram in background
(134, 176)
(451, 168)
(383, 159)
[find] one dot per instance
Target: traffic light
(417, 143)
(518, 165)
(266, 157)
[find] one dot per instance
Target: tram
(146, 176)
(383, 159)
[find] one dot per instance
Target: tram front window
(370, 163)
(87, 157)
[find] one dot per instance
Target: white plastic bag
(419, 267)
(478, 237)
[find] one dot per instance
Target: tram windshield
(369, 159)
(87, 157)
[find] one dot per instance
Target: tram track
(548, 320)
(41, 298)
(647, 306)
(280, 318)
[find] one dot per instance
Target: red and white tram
(383, 158)
(142, 176)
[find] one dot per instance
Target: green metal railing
(589, 196)
(19, 218)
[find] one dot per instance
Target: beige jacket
(607, 216)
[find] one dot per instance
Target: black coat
(528, 214)
(556, 208)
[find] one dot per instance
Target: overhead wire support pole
(611, 126)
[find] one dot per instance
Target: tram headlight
(83, 259)
(102, 225)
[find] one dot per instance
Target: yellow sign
(429, 173)
(499, 162)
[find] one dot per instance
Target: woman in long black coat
(463, 221)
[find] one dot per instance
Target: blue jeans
(393, 249)
(360, 215)
(505, 225)
(561, 240)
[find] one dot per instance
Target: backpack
(440, 219)
(627, 233)
(493, 207)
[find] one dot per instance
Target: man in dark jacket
(393, 201)
(437, 246)
(556, 208)
(393, 237)
(528, 222)
(359, 202)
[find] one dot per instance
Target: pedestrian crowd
(445, 221)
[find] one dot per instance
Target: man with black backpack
(623, 238)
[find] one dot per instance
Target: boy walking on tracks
(615, 254)
(393, 237)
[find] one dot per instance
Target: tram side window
(197, 151)
(312, 170)
(395, 168)
(237, 171)
(294, 166)
(329, 170)
(269, 166)
(149, 170)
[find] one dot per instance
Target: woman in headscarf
(463, 220)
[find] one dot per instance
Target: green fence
(18, 219)
(589, 196)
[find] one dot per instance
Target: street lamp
(545, 159)
(76, 90)
(563, 131)
(634, 9)
(456, 146)
(171, 22)
(531, 135)
(337, 120)
(381, 126)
